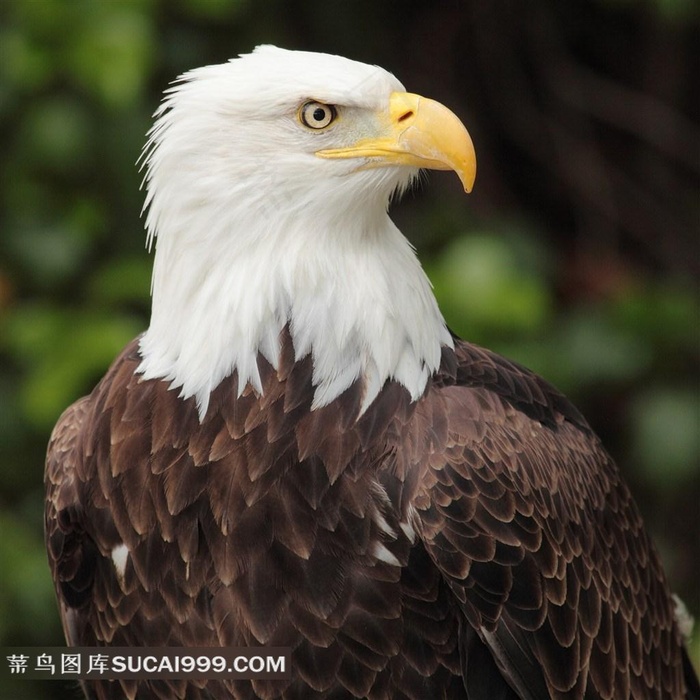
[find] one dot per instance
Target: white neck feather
(228, 279)
(256, 233)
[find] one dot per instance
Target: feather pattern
(507, 590)
(298, 453)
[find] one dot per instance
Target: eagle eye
(317, 115)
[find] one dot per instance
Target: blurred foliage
(577, 254)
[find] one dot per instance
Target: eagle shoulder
(526, 516)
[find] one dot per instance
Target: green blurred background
(577, 253)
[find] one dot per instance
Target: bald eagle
(298, 453)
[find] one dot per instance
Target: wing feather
(527, 518)
(71, 555)
(478, 540)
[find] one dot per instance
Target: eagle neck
(348, 288)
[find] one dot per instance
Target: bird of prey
(298, 452)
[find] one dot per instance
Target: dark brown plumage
(476, 543)
(416, 518)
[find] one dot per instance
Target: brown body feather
(477, 543)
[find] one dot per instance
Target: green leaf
(124, 280)
(66, 352)
(111, 54)
(56, 135)
(214, 9)
(484, 288)
(594, 349)
(666, 435)
(24, 63)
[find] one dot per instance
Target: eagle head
(268, 182)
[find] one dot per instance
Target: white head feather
(255, 232)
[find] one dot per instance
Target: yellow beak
(417, 132)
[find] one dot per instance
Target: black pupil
(319, 114)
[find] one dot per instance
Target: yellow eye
(317, 115)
